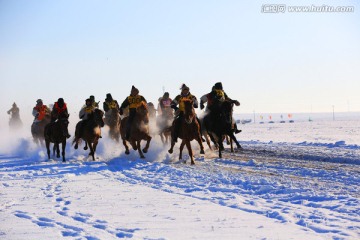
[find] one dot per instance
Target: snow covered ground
(292, 181)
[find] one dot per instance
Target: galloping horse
(113, 121)
(163, 123)
(89, 131)
(37, 130)
(139, 130)
(54, 132)
(189, 130)
(218, 123)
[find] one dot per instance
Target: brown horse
(163, 123)
(139, 130)
(189, 130)
(113, 121)
(37, 130)
(89, 131)
(54, 133)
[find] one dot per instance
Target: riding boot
(236, 130)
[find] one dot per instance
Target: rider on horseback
(165, 102)
(40, 111)
(95, 104)
(109, 104)
(15, 112)
(60, 113)
(87, 109)
(215, 98)
(133, 102)
(179, 111)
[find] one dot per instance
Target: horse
(139, 130)
(218, 124)
(189, 130)
(163, 123)
(15, 123)
(113, 121)
(90, 131)
(54, 133)
(37, 130)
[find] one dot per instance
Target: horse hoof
(145, 150)
(142, 156)
(57, 156)
(76, 146)
(64, 161)
(127, 152)
(170, 151)
(202, 151)
(85, 148)
(192, 163)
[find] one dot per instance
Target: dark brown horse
(113, 121)
(38, 128)
(139, 130)
(54, 133)
(189, 130)
(89, 131)
(219, 123)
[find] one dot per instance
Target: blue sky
(285, 62)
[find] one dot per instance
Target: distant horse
(15, 123)
(113, 121)
(54, 133)
(189, 130)
(218, 124)
(90, 131)
(37, 130)
(139, 130)
(163, 123)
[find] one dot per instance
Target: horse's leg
(171, 150)
(231, 145)
(162, 137)
(94, 147)
(146, 148)
(48, 148)
(207, 138)
(227, 139)
(91, 150)
(86, 145)
(57, 147)
(188, 145)
(199, 139)
(139, 149)
(232, 136)
(63, 145)
(181, 149)
(126, 147)
(221, 146)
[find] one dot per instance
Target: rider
(40, 111)
(165, 102)
(87, 109)
(152, 110)
(109, 104)
(60, 112)
(133, 101)
(216, 96)
(185, 94)
(95, 104)
(15, 112)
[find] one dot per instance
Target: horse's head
(98, 117)
(189, 112)
(143, 112)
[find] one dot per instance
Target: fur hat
(39, 101)
(183, 87)
(92, 97)
(166, 95)
(108, 97)
(134, 90)
(60, 101)
(218, 86)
